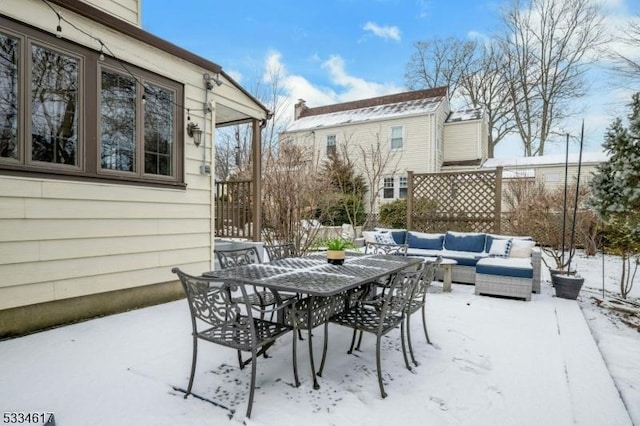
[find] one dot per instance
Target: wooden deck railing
(233, 209)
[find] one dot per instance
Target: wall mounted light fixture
(195, 132)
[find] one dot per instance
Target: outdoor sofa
(502, 265)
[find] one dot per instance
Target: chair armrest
(285, 304)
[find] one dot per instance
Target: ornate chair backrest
(211, 302)
(280, 251)
(237, 257)
(427, 276)
(380, 248)
(399, 293)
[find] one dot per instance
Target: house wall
(64, 239)
(127, 10)
(553, 176)
(417, 153)
(463, 141)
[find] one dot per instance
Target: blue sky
(339, 50)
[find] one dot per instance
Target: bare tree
(233, 143)
(625, 65)
(439, 62)
(485, 86)
(293, 196)
(377, 161)
(548, 45)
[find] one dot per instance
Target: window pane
(54, 103)
(402, 184)
(388, 188)
(118, 122)
(9, 56)
(158, 131)
(396, 137)
(331, 144)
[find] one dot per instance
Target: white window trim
(391, 148)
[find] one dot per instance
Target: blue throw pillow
(424, 241)
(460, 241)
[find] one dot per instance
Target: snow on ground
(494, 361)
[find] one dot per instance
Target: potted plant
(336, 249)
(568, 284)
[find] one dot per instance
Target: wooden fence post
(409, 198)
(498, 200)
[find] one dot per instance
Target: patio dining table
(314, 277)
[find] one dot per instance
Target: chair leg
(359, 341)
(424, 325)
(253, 382)
(324, 348)
(312, 364)
(404, 347)
(413, 358)
(353, 341)
(240, 360)
(194, 358)
(295, 360)
(379, 368)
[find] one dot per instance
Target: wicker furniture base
(504, 286)
(459, 274)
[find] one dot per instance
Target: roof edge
(380, 100)
(90, 12)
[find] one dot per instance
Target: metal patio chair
(418, 300)
(380, 319)
(229, 322)
(280, 251)
(244, 256)
(381, 248)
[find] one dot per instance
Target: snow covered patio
(495, 361)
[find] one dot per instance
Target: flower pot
(335, 257)
(554, 272)
(567, 286)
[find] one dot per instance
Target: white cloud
(386, 32)
(344, 87)
(355, 87)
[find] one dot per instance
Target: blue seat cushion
(424, 241)
(510, 267)
(459, 241)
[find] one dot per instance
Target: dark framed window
(66, 113)
(9, 96)
(331, 144)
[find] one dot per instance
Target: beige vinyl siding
(72, 239)
(461, 141)
(127, 10)
(416, 154)
(553, 176)
(62, 239)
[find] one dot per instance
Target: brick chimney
(299, 108)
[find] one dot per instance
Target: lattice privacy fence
(455, 201)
